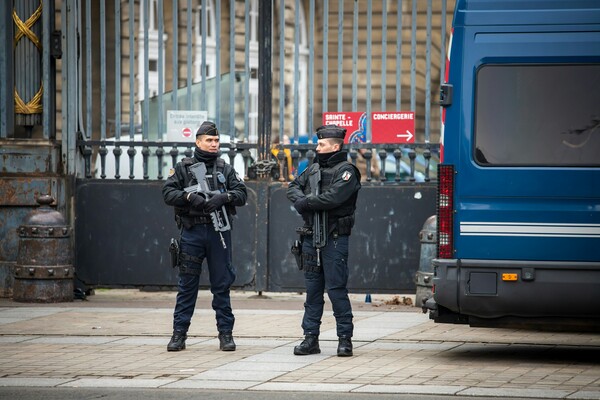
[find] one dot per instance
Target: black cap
(330, 131)
(207, 128)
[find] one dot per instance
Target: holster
(175, 252)
(297, 252)
(345, 224)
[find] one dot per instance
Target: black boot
(344, 347)
(310, 345)
(226, 342)
(177, 342)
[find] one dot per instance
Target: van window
(537, 115)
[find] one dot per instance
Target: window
(537, 115)
(153, 64)
(210, 43)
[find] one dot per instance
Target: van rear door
(528, 173)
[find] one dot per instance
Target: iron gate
(265, 72)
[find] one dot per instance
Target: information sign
(182, 125)
(393, 127)
(353, 122)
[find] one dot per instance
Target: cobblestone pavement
(117, 338)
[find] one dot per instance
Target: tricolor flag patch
(346, 175)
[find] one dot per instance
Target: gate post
(265, 18)
(265, 78)
(30, 159)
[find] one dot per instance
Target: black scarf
(330, 159)
(206, 157)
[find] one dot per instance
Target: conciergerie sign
(393, 127)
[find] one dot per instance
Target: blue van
(519, 180)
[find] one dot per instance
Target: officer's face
(208, 143)
(327, 146)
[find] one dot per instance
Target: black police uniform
(199, 240)
(340, 183)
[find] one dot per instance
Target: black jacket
(340, 183)
(179, 178)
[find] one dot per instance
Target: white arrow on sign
(406, 135)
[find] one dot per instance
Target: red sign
(353, 122)
(393, 127)
(186, 132)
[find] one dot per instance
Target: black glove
(215, 202)
(196, 201)
(301, 205)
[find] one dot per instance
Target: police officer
(200, 240)
(326, 268)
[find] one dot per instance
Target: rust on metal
(44, 272)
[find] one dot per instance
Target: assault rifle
(320, 217)
(219, 217)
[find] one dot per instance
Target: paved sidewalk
(118, 339)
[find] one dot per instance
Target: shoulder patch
(239, 178)
(346, 175)
(171, 172)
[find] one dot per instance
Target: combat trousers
(202, 242)
(333, 277)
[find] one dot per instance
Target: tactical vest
(328, 175)
(213, 182)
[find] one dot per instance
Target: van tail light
(445, 211)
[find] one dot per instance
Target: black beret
(330, 131)
(207, 128)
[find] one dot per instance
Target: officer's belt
(308, 230)
(196, 220)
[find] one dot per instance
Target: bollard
(424, 276)
(43, 271)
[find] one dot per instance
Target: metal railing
(111, 159)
